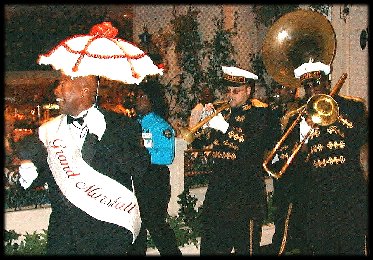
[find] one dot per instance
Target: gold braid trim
(283, 242)
(354, 98)
(236, 136)
(251, 235)
(240, 118)
(322, 163)
(257, 103)
(345, 121)
(334, 129)
(223, 155)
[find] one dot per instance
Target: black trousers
(289, 223)
(221, 235)
(153, 196)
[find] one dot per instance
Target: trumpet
(322, 110)
(188, 133)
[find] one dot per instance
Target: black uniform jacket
(236, 186)
(326, 180)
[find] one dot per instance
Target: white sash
(96, 194)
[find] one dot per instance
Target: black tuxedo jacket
(119, 155)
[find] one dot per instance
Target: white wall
(350, 58)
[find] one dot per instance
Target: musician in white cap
(323, 195)
(235, 202)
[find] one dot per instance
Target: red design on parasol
(100, 53)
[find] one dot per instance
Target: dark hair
(251, 84)
(206, 95)
(155, 92)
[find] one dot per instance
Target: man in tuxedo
(88, 157)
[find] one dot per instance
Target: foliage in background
(191, 51)
(258, 68)
(219, 52)
(32, 244)
(187, 224)
(189, 213)
(267, 14)
(16, 197)
(188, 46)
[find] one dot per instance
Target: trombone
(188, 133)
(322, 110)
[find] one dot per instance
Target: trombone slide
(324, 119)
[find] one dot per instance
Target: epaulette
(358, 100)
(257, 103)
(354, 98)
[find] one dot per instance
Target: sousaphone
(294, 39)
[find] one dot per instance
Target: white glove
(304, 129)
(28, 174)
(218, 122)
(275, 159)
(207, 110)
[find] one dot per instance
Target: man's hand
(305, 127)
(28, 174)
(218, 122)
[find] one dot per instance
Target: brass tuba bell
(294, 39)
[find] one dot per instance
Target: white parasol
(101, 54)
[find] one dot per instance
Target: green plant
(185, 235)
(31, 244)
(15, 197)
(188, 46)
(189, 213)
(10, 244)
(259, 69)
(268, 14)
(187, 224)
(271, 211)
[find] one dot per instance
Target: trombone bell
(187, 135)
(323, 110)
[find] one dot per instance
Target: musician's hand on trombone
(208, 109)
(218, 122)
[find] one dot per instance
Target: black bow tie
(71, 119)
